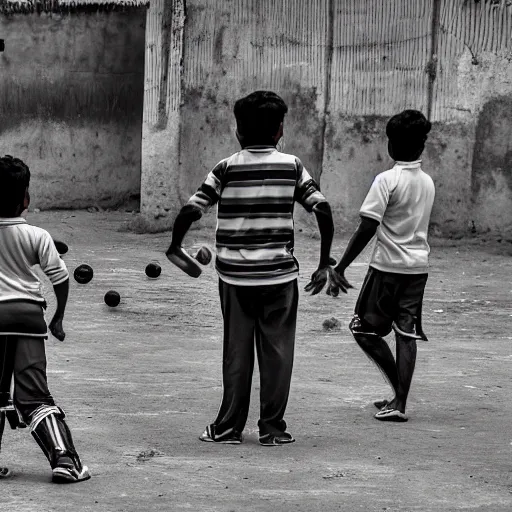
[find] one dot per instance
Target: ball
(83, 273)
(112, 298)
(61, 247)
(153, 270)
(203, 255)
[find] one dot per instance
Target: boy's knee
(360, 329)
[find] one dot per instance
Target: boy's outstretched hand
(321, 276)
(56, 328)
(337, 282)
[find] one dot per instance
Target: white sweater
(23, 246)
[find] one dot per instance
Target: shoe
(381, 403)
(229, 437)
(5, 472)
(65, 472)
(276, 439)
(390, 414)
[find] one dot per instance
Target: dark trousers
(264, 316)
(25, 358)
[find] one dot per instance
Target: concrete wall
(344, 67)
(71, 95)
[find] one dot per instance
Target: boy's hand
(336, 278)
(318, 279)
(56, 328)
(337, 282)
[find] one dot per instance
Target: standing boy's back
(397, 209)
(255, 190)
(401, 199)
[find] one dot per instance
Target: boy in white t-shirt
(397, 209)
(23, 327)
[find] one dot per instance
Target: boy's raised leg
(53, 436)
(37, 408)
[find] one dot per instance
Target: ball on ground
(112, 298)
(203, 255)
(153, 270)
(331, 324)
(61, 247)
(83, 273)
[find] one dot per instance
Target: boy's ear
(390, 150)
(26, 200)
(279, 133)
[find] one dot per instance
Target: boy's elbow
(368, 226)
(190, 212)
(322, 208)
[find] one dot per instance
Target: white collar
(8, 221)
(409, 165)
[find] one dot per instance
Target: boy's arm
(371, 212)
(186, 217)
(319, 278)
(360, 239)
(206, 196)
(61, 293)
(308, 194)
(55, 269)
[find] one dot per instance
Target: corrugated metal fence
(364, 57)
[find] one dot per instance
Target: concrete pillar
(160, 196)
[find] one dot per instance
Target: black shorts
(23, 318)
(387, 297)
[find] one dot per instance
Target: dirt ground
(139, 383)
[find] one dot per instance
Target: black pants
(264, 316)
(25, 358)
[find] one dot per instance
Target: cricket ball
(203, 255)
(61, 247)
(112, 298)
(83, 273)
(153, 270)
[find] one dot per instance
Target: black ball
(83, 273)
(112, 298)
(61, 247)
(153, 270)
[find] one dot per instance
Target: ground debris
(331, 324)
(337, 474)
(147, 455)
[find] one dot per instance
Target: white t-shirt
(23, 246)
(401, 200)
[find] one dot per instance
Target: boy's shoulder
(245, 156)
(34, 231)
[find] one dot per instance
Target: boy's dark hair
(258, 116)
(14, 181)
(407, 133)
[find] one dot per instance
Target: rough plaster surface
(160, 180)
(76, 166)
(71, 104)
(342, 86)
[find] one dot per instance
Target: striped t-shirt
(255, 190)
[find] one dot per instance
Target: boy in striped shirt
(256, 189)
